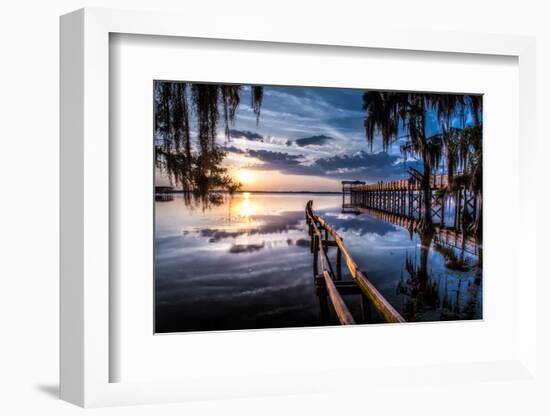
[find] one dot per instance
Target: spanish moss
(194, 161)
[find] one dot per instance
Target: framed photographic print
(342, 193)
(235, 208)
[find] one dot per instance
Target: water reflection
(246, 207)
(162, 197)
(245, 263)
(420, 292)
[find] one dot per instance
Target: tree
(463, 149)
(387, 112)
(393, 115)
(196, 164)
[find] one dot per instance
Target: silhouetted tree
(386, 113)
(196, 164)
(395, 115)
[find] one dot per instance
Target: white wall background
(29, 205)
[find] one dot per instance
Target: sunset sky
(307, 139)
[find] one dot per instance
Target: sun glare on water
(246, 208)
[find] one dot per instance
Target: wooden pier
(328, 279)
(404, 198)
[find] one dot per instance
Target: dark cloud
(357, 160)
(233, 149)
(245, 134)
(313, 140)
(365, 166)
(276, 159)
(360, 165)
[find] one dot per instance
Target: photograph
(304, 206)
(273, 209)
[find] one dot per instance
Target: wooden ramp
(329, 281)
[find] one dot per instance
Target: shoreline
(257, 192)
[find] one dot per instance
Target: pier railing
(324, 236)
(436, 182)
(405, 197)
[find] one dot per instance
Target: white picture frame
(85, 221)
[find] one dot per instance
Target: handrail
(344, 315)
(436, 181)
(383, 307)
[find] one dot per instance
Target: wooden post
(442, 213)
(312, 239)
(474, 208)
(410, 203)
(420, 203)
(458, 209)
(338, 264)
(323, 304)
(315, 255)
(329, 290)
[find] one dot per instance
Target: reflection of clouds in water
(174, 247)
(205, 269)
(288, 221)
(242, 273)
(283, 309)
(245, 248)
(265, 224)
(359, 225)
(224, 293)
(236, 272)
(213, 294)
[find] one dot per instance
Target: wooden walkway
(400, 202)
(405, 198)
(328, 279)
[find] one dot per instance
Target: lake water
(246, 264)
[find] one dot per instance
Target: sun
(246, 177)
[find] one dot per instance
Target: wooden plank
(338, 264)
(344, 287)
(384, 308)
(315, 254)
(342, 312)
(344, 316)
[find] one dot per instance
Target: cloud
(336, 148)
(245, 134)
(276, 159)
(365, 166)
(313, 140)
(358, 160)
(290, 112)
(360, 165)
(233, 149)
